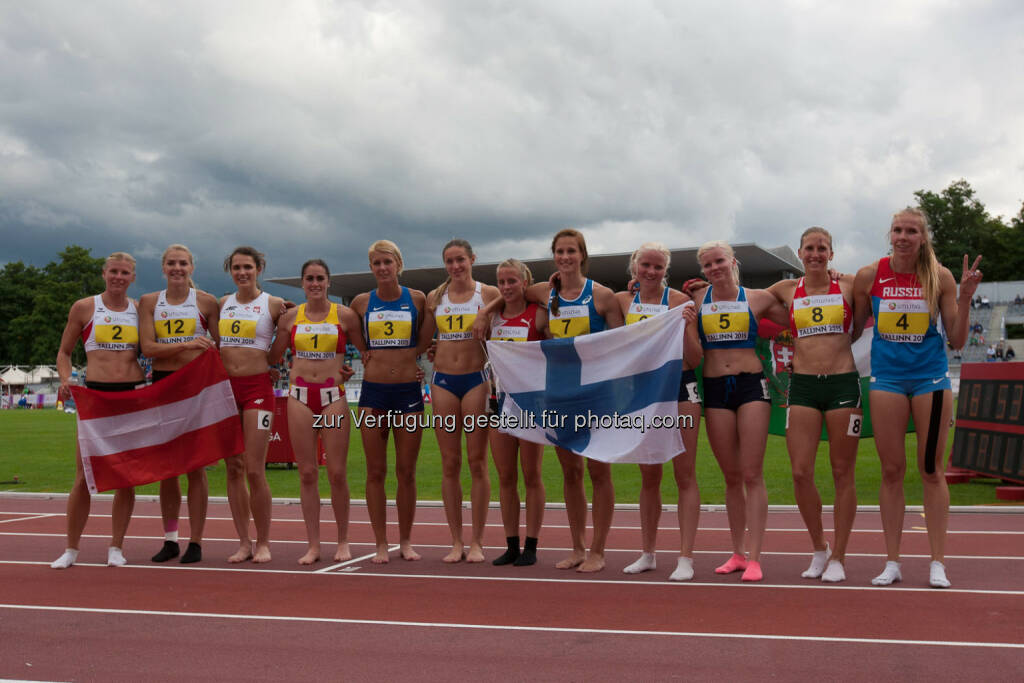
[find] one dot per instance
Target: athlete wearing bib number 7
(460, 389)
(907, 293)
(247, 321)
(173, 327)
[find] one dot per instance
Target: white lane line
(536, 629)
(25, 519)
(354, 560)
(810, 585)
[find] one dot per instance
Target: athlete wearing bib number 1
(247, 321)
(108, 326)
(173, 327)
(460, 389)
(907, 293)
(648, 267)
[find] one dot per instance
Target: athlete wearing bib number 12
(247, 321)
(317, 332)
(460, 389)
(173, 327)
(907, 293)
(108, 326)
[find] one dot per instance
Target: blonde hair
(724, 246)
(191, 259)
(581, 244)
(927, 266)
(650, 246)
(120, 256)
(387, 247)
(463, 244)
(517, 265)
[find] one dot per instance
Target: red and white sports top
(321, 340)
(819, 313)
(246, 325)
(111, 330)
(522, 327)
(178, 323)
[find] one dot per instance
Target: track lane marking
(354, 560)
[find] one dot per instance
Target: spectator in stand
(990, 353)
(1000, 350)
(985, 303)
(1010, 354)
(1017, 300)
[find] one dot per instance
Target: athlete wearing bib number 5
(825, 386)
(460, 389)
(317, 332)
(173, 327)
(648, 267)
(108, 326)
(247, 321)
(907, 293)
(391, 316)
(737, 404)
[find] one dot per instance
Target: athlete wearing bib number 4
(460, 389)
(173, 328)
(247, 321)
(825, 386)
(907, 293)
(108, 326)
(648, 268)
(317, 332)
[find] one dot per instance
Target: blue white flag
(611, 396)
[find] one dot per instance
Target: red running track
(428, 620)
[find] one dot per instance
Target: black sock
(529, 555)
(194, 553)
(167, 552)
(511, 554)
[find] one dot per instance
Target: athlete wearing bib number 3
(907, 293)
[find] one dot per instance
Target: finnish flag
(611, 396)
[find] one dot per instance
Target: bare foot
(243, 553)
(408, 553)
(574, 560)
(312, 555)
(456, 554)
(262, 554)
(475, 554)
(593, 563)
(382, 555)
(343, 553)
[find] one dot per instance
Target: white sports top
(111, 330)
(455, 321)
(246, 325)
(178, 323)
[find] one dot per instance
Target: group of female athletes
(906, 293)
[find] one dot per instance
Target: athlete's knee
(803, 475)
(235, 467)
(338, 480)
(309, 476)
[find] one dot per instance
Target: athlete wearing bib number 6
(648, 268)
(247, 321)
(460, 389)
(317, 332)
(907, 293)
(173, 327)
(825, 386)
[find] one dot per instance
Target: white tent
(42, 373)
(14, 376)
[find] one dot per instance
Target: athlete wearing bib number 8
(907, 293)
(460, 389)
(247, 321)
(173, 328)
(317, 331)
(648, 267)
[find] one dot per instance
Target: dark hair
(257, 256)
(316, 262)
(582, 244)
(453, 243)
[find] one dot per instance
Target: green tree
(18, 283)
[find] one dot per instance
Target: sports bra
(727, 324)
(455, 321)
(390, 324)
(576, 317)
(819, 313)
(178, 323)
(111, 330)
(640, 311)
(320, 340)
(246, 325)
(522, 327)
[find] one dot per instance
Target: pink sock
(753, 572)
(734, 564)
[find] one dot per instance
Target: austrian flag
(183, 422)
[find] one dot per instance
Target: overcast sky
(312, 128)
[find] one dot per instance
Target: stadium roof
(759, 267)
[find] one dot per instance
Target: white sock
(171, 536)
(684, 570)
(937, 577)
(646, 563)
(891, 574)
(65, 560)
(115, 558)
(834, 572)
(818, 561)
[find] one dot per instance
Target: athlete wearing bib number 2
(907, 293)
(648, 268)
(247, 321)
(173, 327)
(460, 389)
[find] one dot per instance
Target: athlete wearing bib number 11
(460, 389)
(247, 321)
(173, 326)
(907, 293)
